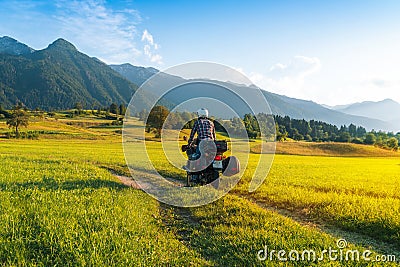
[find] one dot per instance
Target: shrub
(357, 141)
(393, 143)
(370, 139)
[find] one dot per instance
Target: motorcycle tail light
(218, 157)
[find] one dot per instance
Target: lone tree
(114, 108)
(156, 119)
(18, 118)
(122, 109)
(79, 107)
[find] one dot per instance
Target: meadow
(61, 205)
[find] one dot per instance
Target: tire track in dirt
(177, 220)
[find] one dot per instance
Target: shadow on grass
(116, 169)
(123, 170)
(51, 184)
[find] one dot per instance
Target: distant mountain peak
(63, 44)
(369, 102)
(8, 38)
(11, 46)
(136, 74)
(389, 100)
(385, 110)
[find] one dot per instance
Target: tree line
(274, 127)
(112, 108)
(285, 128)
(19, 116)
(319, 131)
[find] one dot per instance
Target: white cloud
(300, 78)
(97, 28)
(94, 27)
(146, 36)
(156, 58)
(288, 78)
(379, 88)
(150, 48)
(278, 66)
(299, 68)
(309, 66)
(378, 82)
(256, 78)
(91, 26)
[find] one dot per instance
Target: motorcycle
(205, 165)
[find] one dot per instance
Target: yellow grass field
(329, 149)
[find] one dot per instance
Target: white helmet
(202, 113)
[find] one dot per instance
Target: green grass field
(61, 205)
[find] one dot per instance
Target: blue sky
(333, 52)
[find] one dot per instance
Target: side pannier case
(230, 166)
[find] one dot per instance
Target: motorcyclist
(204, 169)
(205, 130)
(203, 126)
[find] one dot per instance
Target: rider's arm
(215, 138)
(193, 132)
(213, 131)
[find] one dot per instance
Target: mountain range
(387, 109)
(279, 104)
(59, 76)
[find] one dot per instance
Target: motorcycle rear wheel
(192, 179)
